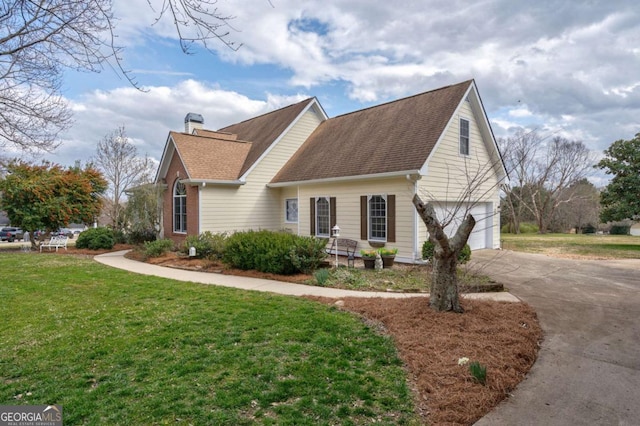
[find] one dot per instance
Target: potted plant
(369, 258)
(388, 256)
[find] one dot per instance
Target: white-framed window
(179, 207)
(323, 217)
(464, 136)
(291, 210)
(377, 207)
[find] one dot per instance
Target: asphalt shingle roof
(211, 157)
(395, 136)
(263, 130)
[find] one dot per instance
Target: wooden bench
(56, 241)
(346, 246)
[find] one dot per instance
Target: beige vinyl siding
(289, 192)
(449, 174)
(348, 210)
(448, 171)
(253, 205)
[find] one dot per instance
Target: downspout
(416, 253)
(298, 197)
(416, 250)
(200, 207)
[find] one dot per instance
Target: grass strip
(118, 348)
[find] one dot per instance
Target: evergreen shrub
(158, 247)
(141, 236)
(208, 245)
(96, 239)
(619, 229)
(273, 252)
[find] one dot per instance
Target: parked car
(11, 234)
(64, 232)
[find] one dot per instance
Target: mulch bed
(503, 337)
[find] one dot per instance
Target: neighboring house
(296, 169)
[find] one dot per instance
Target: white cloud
(520, 112)
(149, 116)
(558, 66)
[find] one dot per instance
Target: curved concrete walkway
(588, 368)
(117, 260)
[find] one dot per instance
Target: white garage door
(482, 234)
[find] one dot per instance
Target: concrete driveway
(588, 369)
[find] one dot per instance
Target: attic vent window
(464, 137)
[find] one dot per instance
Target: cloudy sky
(565, 68)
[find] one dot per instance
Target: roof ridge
(267, 113)
(404, 98)
(211, 137)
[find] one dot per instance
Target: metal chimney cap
(192, 117)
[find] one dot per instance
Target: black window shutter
(363, 218)
(312, 218)
(391, 218)
(332, 213)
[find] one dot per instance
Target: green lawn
(605, 246)
(118, 348)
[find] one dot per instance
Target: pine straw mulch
(504, 337)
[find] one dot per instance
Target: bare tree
(518, 153)
(444, 285)
(582, 210)
(40, 38)
(466, 187)
(542, 170)
(118, 159)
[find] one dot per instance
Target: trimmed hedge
(96, 239)
(619, 229)
(273, 252)
(428, 249)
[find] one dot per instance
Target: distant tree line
(548, 190)
(547, 184)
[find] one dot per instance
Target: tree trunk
(444, 286)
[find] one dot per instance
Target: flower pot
(387, 261)
(369, 262)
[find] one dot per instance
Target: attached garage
(482, 235)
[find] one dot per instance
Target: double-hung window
(323, 217)
(377, 217)
(464, 136)
(179, 207)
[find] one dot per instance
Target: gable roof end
(265, 129)
(202, 156)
